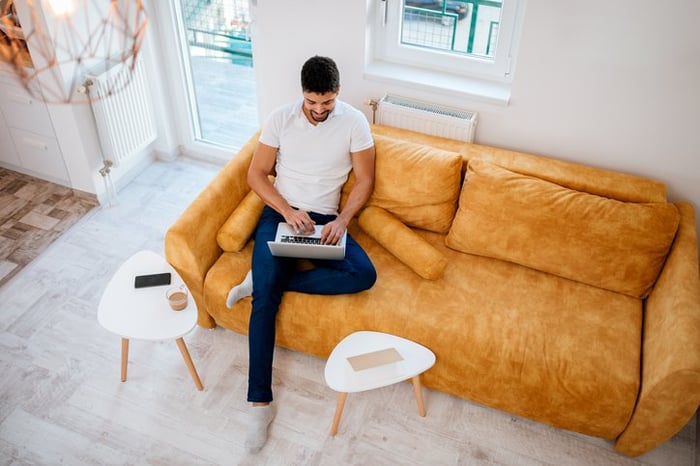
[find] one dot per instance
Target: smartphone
(154, 279)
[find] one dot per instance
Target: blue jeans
(272, 276)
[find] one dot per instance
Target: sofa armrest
(190, 243)
(670, 388)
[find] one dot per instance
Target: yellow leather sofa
(559, 292)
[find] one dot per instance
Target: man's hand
(299, 221)
(333, 232)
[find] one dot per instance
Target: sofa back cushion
(416, 183)
(593, 180)
(615, 245)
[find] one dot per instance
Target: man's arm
(261, 166)
(363, 166)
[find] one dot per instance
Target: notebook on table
(287, 243)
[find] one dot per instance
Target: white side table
(343, 378)
(144, 313)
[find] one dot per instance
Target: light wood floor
(61, 400)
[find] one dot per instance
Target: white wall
(73, 124)
(611, 84)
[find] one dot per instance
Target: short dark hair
(320, 75)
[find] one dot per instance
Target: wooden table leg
(188, 362)
(338, 412)
(125, 357)
(419, 395)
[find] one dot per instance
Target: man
(310, 146)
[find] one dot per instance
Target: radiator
(427, 118)
(123, 112)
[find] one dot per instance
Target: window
(217, 62)
(474, 41)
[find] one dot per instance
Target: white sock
(260, 419)
(240, 291)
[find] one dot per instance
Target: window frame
(471, 75)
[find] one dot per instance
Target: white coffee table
(343, 378)
(144, 313)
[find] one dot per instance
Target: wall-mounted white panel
(40, 154)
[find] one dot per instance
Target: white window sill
(440, 82)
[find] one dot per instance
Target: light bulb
(62, 7)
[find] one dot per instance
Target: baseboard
(168, 155)
(85, 195)
(36, 174)
(120, 176)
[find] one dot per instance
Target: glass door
(218, 62)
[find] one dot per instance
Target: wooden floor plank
(33, 213)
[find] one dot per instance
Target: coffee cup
(177, 297)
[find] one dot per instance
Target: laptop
(287, 243)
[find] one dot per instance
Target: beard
(319, 117)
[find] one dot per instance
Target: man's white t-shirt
(313, 162)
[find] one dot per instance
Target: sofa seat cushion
(416, 183)
(619, 246)
(538, 345)
(504, 335)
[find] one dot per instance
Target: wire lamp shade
(52, 45)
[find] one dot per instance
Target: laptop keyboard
(300, 239)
